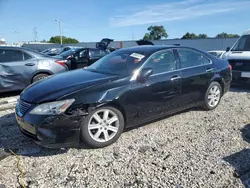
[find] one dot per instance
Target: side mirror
(144, 74)
(227, 49)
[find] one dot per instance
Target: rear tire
(102, 127)
(213, 96)
(39, 77)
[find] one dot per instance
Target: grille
(23, 107)
(240, 65)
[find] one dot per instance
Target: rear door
(16, 68)
(197, 71)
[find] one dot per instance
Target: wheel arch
(40, 72)
(117, 106)
(220, 80)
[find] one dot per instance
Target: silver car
(20, 67)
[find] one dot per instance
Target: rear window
(26, 56)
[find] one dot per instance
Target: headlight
(52, 108)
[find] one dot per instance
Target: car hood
(237, 55)
(54, 87)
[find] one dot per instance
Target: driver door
(80, 60)
(161, 93)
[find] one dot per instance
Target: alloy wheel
(214, 96)
(103, 125)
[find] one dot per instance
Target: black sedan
(123, 89)
(81, 57)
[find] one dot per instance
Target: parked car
(126, 88)
(217, 53)
(239, 58)
(83, 57)
(20, 67)
(66, 48)
(52, 51)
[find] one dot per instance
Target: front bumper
(59, 131)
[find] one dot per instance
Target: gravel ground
(191, 149)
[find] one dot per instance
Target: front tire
(102, 127)
(213, 96)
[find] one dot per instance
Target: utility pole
(133, 36)
(60, 30)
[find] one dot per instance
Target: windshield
(243, 44)
(122, 63)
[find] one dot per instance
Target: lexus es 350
(123, 89)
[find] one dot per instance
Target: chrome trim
(175, 78)
(180, 69)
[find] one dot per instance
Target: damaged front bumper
(57, 131)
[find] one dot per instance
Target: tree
(65, 40)
(226, 35)
(194, 36)
(155, 33)
(202, 36)
(189, 36)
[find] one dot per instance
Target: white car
(239, 58)
(217, 53)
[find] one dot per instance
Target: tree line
(159, 32)
(154, 33)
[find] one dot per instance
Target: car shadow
(10, 94)
(240, 161)
(11, 139)
(240, 87)
(161, 118)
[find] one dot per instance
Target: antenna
(35, 34)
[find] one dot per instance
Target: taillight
(229, 66)
(61, 62)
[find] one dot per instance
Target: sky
(92, 20)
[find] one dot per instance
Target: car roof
(18, 48)
(12, 47)
(149, 48)
(216, 51)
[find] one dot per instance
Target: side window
(163, 61)
(82, 53)
(10, 55)
(190, 58)
(96, 53)
(26, 56)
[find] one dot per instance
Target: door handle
(209, 70)
(30, 64)
(175, 78)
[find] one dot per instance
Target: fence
(204, 44)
